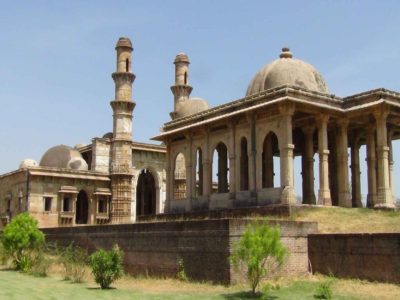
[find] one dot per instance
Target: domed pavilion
(241, 153)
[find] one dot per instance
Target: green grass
(14, 285)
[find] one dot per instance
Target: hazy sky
(56, 59)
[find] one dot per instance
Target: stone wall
(374, 256)
(204, 245)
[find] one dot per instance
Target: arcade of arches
(245, 148)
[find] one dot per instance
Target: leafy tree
(107, 266)
(22, 241)
(259, 250)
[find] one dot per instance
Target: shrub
(107, 266)
(74, 260)
(22, 241)
(259, 250)
(40, 265)
(324, 289)
(181, 274)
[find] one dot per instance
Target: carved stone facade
(232, 151)
(98, 183)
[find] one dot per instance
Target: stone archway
(146, 194)
(82, 208)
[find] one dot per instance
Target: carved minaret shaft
(181, 89)
(121, 160)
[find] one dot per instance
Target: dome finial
(286, 53)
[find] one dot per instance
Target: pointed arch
(221, 161)
(269, 150)
(179, 183)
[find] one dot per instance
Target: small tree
(259, 250)
(107, 266)
(22, 241)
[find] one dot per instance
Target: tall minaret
(181, 89)
(121, 146)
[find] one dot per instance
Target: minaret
(121, 146)
(181, 89)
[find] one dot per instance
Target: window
(9, 205)
(47, 203)
(19, 203)
(102, 205)
(67, 203)
(127, 65)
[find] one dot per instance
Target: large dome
(287, 70)
(63, 157)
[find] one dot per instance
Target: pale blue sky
(56, 59)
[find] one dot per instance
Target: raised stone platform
(204, 245)
(226, 213)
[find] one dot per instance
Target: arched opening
(180, 177)
(199, 172)
(145, 194)
(244, 165)
(82, 208)
(220, 159)
(127, 65)
(269, 163)
(185, 78)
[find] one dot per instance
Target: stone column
(308, 166)
(207, 179)
(232, 161)
(384, 196)
(355, 174)
(286, 155)
(391, 164)
(371, 165)
(343, 165)
(324, 194)
(190, 179)
(252, 155)
(169, 179)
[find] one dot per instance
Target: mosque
(223, 157)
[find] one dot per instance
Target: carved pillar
(286, 155)
(207, 178)
(308, 166)
(233, 184)
(355, 174)
(189, 173)
(384, 196)
(252, 155)
(343, 165)
(169, 179)
(324, 194)
(371, 165)
(391, 164)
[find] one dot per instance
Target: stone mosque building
(216, 158)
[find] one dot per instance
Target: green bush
(324, 290)
(22, 241)
(74, 260)
(107, 266)
(259, 250)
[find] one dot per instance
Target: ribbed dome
(287, 71)
(191, 107)
(63, 157)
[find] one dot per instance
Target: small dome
(28, 162)
(63, 157)
(181, 57)
(287, 70)
(124, 42)
(191, 107)
(108, 135)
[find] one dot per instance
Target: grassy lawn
(347, 220)
(14, 285)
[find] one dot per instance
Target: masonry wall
(204, 245)
(374, 256)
